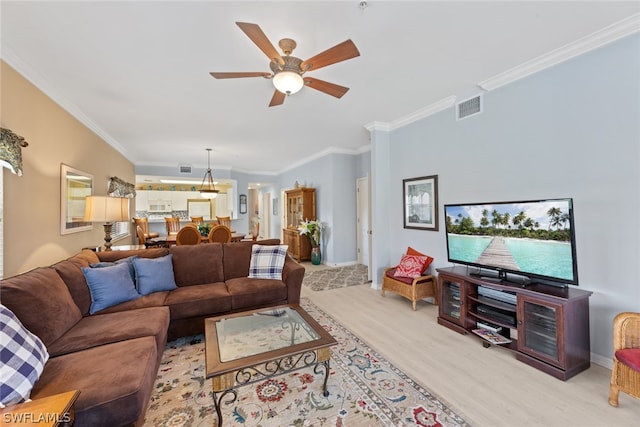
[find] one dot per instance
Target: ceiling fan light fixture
(288, 82)
(208, 191)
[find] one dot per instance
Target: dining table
(170, 239)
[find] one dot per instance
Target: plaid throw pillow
(23, 359)
(267, 261)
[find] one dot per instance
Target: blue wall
(570, 131)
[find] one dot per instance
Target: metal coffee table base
(226, 384)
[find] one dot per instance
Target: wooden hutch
(300, 206)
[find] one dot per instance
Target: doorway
(363, 229)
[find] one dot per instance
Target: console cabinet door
(452, 300)
(540, 330)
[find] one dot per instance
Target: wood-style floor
(486, 385)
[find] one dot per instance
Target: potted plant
(204, 228)
(312, 229)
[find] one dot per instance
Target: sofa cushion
(71, 273)
(42, 302)
(197, 264)
(155, 299)
(111, 256)
(237, 257)
(109, 286)
(127, 260)
(267, 261)
(23, 359)
(198, 300)
(100, 329)
(131, 367)
(154, 274)
(251, 293)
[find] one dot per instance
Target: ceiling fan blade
(256, 35)
(326, 87)
(340, 52)
(239, 75)
(277, 98)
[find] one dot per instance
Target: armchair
(413, 289)
(625, 375)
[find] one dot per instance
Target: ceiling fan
(288, 71)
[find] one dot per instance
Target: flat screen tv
(519, 242)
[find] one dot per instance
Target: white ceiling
(137, 73)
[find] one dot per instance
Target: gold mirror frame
(75, 185)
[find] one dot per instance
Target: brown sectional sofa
(113, 356)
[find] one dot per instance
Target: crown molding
(49, 90)
(420, 114)
(320, 154)
(616, 31)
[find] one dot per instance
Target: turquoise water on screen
(467, 248)
(544, 257)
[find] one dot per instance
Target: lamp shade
(106, 209)
(288, 82)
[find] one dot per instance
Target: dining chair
(224, 220)
(173, 225)
(220, 233)
(141, 237)
(197, 220)
(254, 232)
(188, 235)
(144, 224)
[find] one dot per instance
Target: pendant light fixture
(209, 191)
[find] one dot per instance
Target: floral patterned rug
(335, 277)
(364, 390)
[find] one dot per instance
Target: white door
(265, 216)
(363, 231)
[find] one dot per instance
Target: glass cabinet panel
(541, 329)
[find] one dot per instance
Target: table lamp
(108, 210)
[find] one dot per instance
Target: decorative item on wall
(243, 204)
(275, 207)
(75, 186)
(108, 210)
(420, 203)
(11, 146)
(121, 188)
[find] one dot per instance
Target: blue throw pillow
(267, 261)
(127, 260)
(23, 359)
(154, 274)
(109, 286)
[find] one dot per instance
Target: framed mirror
(75, 186)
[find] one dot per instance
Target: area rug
(335, 277)
(365, 390)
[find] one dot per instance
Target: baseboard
(605, 362)
(340, 264)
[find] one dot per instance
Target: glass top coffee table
(250, 346)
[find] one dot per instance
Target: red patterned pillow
(410, 266)
(411, 251)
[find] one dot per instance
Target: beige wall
(32, 201)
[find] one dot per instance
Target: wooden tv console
(548, 325)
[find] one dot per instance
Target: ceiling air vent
(469, 107)
(185, 169)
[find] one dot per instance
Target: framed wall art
(75, 186)
(243, 204)
(420, 198)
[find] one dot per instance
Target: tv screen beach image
(528, 237)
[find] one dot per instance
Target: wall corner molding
(616, 31)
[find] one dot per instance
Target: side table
(51, 411)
